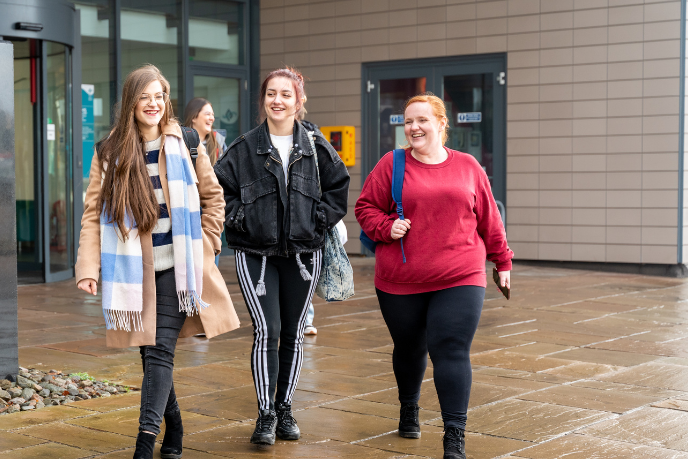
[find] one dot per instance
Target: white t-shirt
(283, 143)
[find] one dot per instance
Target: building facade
(70, 58)
(574, 107)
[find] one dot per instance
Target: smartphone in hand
(505, 290)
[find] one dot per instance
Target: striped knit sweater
(163, 255)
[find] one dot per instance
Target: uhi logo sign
(470, 117)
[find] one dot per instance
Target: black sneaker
(286, 424)
(454, 443)
(409, 427)
(265, 428)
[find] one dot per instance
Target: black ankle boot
(409, 427)
(145, 444)
(286, 424)
(266, 424)
(454, 443)
(172, 441)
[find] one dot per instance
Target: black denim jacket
(266, 216)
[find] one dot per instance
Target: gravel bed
(35, 389)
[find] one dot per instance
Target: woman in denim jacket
(278, 209)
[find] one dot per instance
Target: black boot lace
(409, 414)
(285, 416)
(454, 440)
(264, 422)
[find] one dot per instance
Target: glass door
(57, 163)
(224, 95)
(474, 94)
(28, 190)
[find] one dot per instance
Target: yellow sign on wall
(343, 139)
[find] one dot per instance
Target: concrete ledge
(649, 269)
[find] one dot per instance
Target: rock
(111, 389)
(24, 382)
(17, 401)
(5, 384)
(4, 395)
(27, 393)
(66, 401)
(86, 383)
(13, 408)
(27, 408)
(71, 386)
(15, 392)
(60, 382)
(52, 388)
(73, 392)
(40, 405)
(37, 387)
(44, 393)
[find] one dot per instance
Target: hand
(200, 148)
(88, 285)
(505, 279)
(400, 227)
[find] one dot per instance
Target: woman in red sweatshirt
(432, 303)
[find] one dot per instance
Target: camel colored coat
(214, 320)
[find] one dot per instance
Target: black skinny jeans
(442, 323)
(157, 390)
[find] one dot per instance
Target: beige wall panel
(591, 72)
(660, 106)
(591, 36)
(553, 216)
(662, 30)
(555, 198)
(588, 252)
(556, 39)
(626, 15)
(625, 107)
(623, 253)
(588, 180)
(588, 234)
(585, 199)
(523, 164)
(525, 250)
(625, 162)
(624, 199)
(521, 147)
(624, 217)
(625, 70)
(523, 233)
(657, 217)
(554, 251)
(660, 162)
(659, 254)
(623, 234)
(555, 181)
(521, 215)
(588, 216)
(551, 233)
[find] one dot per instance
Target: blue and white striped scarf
(122, 261)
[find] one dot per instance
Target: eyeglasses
(146, 99)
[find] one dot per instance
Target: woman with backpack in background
(142, 229)
(432, 301)
(199, 115)
(276, 220)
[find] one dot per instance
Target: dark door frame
(434, 69)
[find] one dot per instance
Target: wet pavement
(578, 364)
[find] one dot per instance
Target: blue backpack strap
(398, 168)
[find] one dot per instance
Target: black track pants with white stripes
(278, 317)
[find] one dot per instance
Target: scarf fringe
(189, 302)
(123, 320)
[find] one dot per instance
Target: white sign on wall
(470, 117)
(396, 119)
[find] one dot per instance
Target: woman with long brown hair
(143, 232)
(199, 115)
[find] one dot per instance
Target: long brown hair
(127, 187)
(193, 108)
(299, 91)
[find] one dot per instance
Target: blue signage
(396, 119)
(470, 117)
(87, 126)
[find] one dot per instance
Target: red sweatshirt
(455, 225)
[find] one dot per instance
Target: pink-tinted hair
(297, 81)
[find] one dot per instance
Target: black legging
(442, 323)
